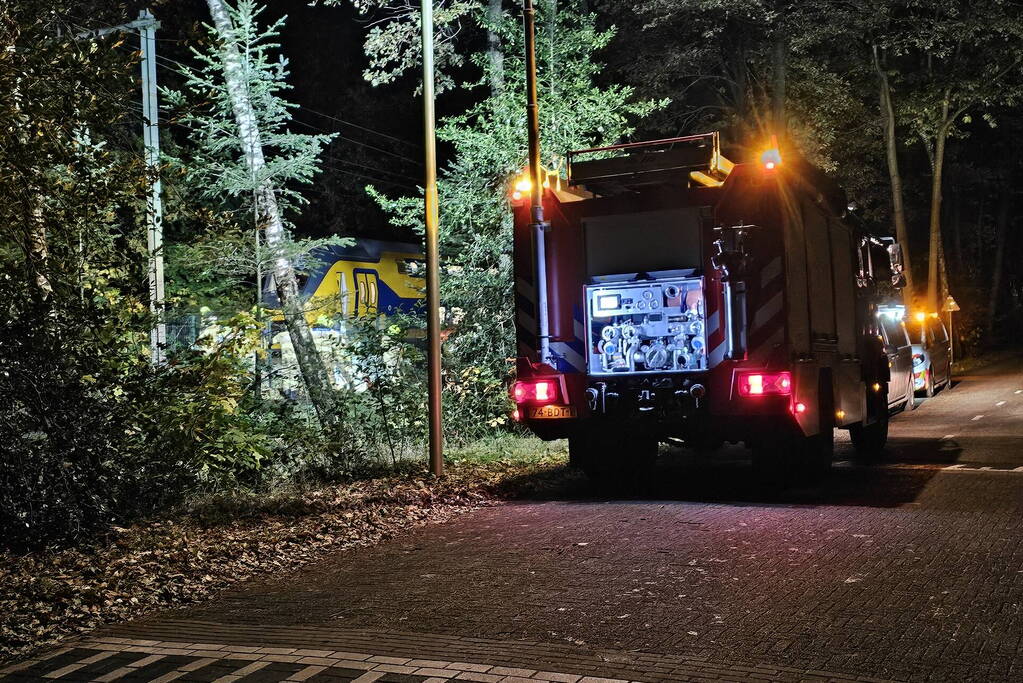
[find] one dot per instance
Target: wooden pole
(432, 250)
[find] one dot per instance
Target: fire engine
(663, 292)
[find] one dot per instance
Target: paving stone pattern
(107, 659)
(910, 571)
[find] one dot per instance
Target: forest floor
(198, 551)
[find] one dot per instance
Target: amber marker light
(522, 187)
(771, 159)
(920, 316)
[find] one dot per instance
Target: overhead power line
(361, 127)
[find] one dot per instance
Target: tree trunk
(38, 249)
(494, 53)
(935, 224)
(738, 84)
(779, 125)
(314, 373)
(895, 177)
(957, 232)
(552, 29)
(1001, 235)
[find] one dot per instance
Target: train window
(414, 267)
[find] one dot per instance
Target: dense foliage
(488, 143)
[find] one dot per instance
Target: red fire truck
(665, 293)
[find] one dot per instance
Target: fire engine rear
(663, 292)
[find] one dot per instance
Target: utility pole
(432, 250)
(154, 204)
(539, 225)
(146, 25)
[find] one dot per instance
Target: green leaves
(214, 165)
(489, 148)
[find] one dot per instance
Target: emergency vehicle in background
(667, 293)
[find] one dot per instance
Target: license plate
(552, 412)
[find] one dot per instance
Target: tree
(245, 149)
(958, 59)
(489, 149)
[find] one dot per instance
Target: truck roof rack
(626, 167)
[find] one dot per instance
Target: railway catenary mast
(666, 292)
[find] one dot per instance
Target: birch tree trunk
(894, 176)
(38, 249)
(314, 373)
(494, 53)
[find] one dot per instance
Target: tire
(929, 383)
(613, 456)
(578, 447)
(775, 460)
(948, 376)
(910, 397)
(817, 451)
(869, 440)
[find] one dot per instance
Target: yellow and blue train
(370, 277)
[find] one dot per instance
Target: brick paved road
(908, 571)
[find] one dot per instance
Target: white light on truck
(608, 302)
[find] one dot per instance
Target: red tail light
(765, 384)
(536, 391)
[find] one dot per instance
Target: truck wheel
(775, 460)
(818, 450)
(615, 457)
(869, 440)
(579, 446)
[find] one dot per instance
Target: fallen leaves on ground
(153, 565)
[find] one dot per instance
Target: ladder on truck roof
(629, 166)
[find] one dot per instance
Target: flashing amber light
(876, 386)
(920, 317)
(522, 187)
(840, 414)
(771, 159)
(799, 408)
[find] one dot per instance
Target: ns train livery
(370, 277)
